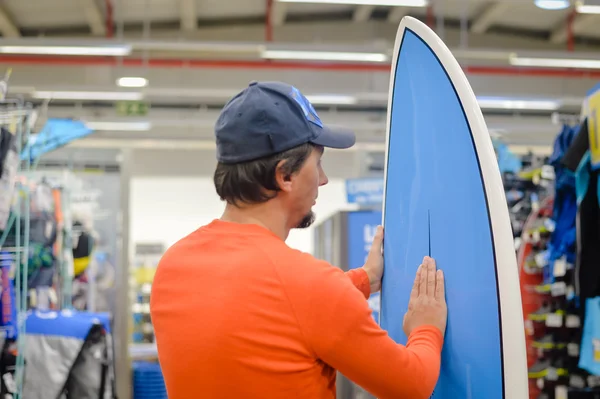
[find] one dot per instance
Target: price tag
(560, 267)
(596, 346)
(540, 383)
(573, 321)
(570, 292)
(550, 225)
(576, 381)
(554, 320)
(594, 128)
(593, 381)
(518, 243)
(573, 349)
(49, 228)
(535, 237)
(560, 392)
(548, 172)
(529, 330)
(559, 289)
(540, 260)
(552, 374)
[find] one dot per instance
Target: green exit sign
(132, 108)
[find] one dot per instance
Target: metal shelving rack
(15, 116)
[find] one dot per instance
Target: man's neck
(268, 216)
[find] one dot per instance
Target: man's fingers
(430, 276)
(415, 289)
(440, 289)
(423, 280)
(377, 240)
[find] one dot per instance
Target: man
(238, 314)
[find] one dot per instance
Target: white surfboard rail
(515, 379)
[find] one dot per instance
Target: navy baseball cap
(267, 118)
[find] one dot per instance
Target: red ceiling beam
(109, 19)
(282, 65)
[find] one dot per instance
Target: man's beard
(307, 221)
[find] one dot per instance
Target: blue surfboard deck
(444, 198)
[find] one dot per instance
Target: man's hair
(254, 181)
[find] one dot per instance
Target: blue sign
(362, 226)
(365, 191)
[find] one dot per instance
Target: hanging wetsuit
(587, 271)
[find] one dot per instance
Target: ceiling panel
(527, 16)
(140, 10)
(590, 26)
(208, 9)
(45, 14)
(455, 8)
(307, 8)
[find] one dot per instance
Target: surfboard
(443, 197)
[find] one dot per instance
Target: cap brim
(335, 138)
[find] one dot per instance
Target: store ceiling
(197, 53)
(87, 17)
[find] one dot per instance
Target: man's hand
(427, 305)
(374, 264)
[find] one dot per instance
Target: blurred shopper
(239, 314)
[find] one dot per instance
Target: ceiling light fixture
(517, 104)
(324, 56)
(333, 99)
(89, 95)
(141, 126)
(130, 81)
(555, 62)
(388, 3)
(116, 51)
(583, 8)
(552, 4)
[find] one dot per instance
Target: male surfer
(239, 314)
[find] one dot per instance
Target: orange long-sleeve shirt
(238, 315)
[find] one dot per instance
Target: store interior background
(196, 54)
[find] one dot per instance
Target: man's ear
(282, 177)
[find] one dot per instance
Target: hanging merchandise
(56, 133)
(590, 342)
(69, 352)
(36, 272)
(83, 245)
(550, 285)
(8, 321)
(508, 162)
(562, 246)
(9, 162)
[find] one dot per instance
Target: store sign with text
(365, 191)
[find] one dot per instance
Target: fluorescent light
(120, 126)
(89, 95)
(555, 62)
(389, 3)
(68, 50)
(130, 81)
(552, 4)
(587, 9)
(324, 56)
(331, 99)
(518, 104)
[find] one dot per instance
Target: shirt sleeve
(339, 327)
(360, 279)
